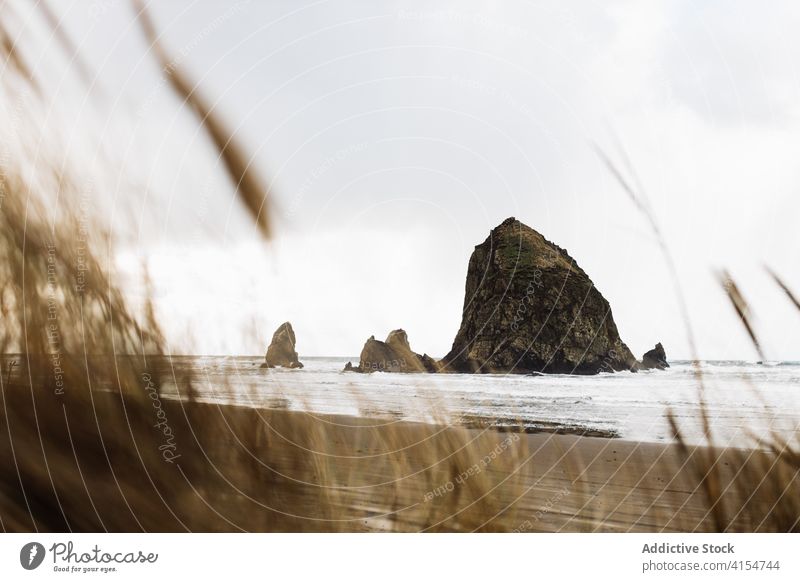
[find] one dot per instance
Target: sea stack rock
(392, 355)
(281, 351)
(529, 307)
(655, 358)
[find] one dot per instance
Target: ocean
(745, 401)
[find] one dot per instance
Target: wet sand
(355, 474)
(122, 464)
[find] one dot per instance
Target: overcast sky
(396, 134)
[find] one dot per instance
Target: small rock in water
(281, 351)
(393, 355)
(655, 359)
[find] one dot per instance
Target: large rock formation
(393, 355)
(281, 351)
(655, 358)
(530, 308)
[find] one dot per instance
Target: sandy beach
(343, 473)
(176, 465)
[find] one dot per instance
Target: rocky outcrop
(529, 307)
(392, 355)
(655, 359)
(281, 351)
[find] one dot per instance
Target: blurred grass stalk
(766, 487)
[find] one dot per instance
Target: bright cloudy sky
(396, 134)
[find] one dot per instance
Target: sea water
(744, 401)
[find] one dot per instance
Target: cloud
(397, 134)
